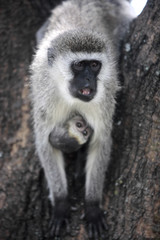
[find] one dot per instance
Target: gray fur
(77, 29)
(71, 41)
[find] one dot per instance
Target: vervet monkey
(74, 85)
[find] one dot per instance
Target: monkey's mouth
(86, 94)
(85, 91)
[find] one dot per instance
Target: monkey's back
(110, 18)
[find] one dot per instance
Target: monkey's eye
(95, 65)
(78, 66)
(79, 124)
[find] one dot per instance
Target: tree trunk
(132, 189)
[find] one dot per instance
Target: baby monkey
(71, 136)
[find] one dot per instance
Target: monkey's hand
(60, 217)
(72, 136)
(96, 222)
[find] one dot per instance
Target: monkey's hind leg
(52, 161)
(97, 162)
(57, 182)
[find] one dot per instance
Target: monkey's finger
(52, 231)
(104, 224)
(90, 231)
(57, 238)
(100, 229)
(95, 232)
(68, 229)
(51, 222)
(57, 228)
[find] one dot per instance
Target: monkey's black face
(84, 83)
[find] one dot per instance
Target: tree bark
(134, 203)
(132, 187)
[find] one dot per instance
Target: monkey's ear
(51, 56)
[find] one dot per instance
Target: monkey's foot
(96, 222)
(79, 129)
(60, 218)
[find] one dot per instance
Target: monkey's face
(82, 77)
(84, 83)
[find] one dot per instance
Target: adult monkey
(74, 84)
